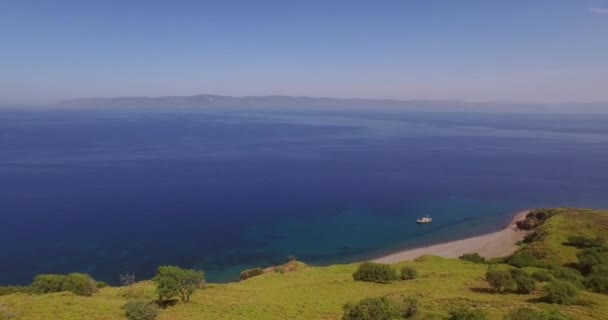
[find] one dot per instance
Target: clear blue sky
(523, 50)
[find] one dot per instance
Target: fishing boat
(424, 220)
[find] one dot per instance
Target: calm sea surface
(107, 192)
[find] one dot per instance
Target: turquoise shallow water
(108, 192)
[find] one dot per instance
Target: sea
(109, 192)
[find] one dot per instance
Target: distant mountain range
(289, 102)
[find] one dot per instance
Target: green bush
(174, 281)
(530, 314)
(141, 310)
(591, 257)
(523, 282)
(375, 272)
(523, 259)
(581, 241)
(542, 276)
(250, 273)
(4, 290)
(473, 257)
(597, 281)
(101, 284)
(561, 292)
(568, 275)
(408, 273)
(499, 280)
(48, 283)
(372, 309)
(467, 314)
(79, 284)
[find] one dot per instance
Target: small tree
(141, 310)
(174, 281)
(467, 314)
(375, 272)
(408, 273)
(372, 309)
(561, 292)
(499, 280)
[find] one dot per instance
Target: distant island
(291, 102)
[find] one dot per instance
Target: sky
(515, 50)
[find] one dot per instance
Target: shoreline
(490, 245)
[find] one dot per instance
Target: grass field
(321, 292)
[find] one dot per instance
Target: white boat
(425, 220)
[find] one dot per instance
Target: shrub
(101, 284)
(542, 276)
(473, 257)
(581, 241)
(372, 309)
(530, 314)
(568, 275)
(141, 310)
(561, 292)
(174, 281)
(467, 314)
(14, 289)
(408, 273)
(523, 282)
(597, 281)
(375, 272)
(250, 273)
(523, 259)
(591, 257)
(534, 218)
(499, 280)
(410, 307)
(79, 284)
(47, 283)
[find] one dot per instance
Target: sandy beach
(495, 244)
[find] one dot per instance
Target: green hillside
(321, 292)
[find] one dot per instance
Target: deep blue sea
(110, 192)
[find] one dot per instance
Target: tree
(372, 309)
(561, 292)
(174, 281)
(375, 272)
(141, 310)
(499, 280)
(408, 273)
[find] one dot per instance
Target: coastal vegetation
(566, 281)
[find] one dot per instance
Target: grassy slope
(320, 292)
